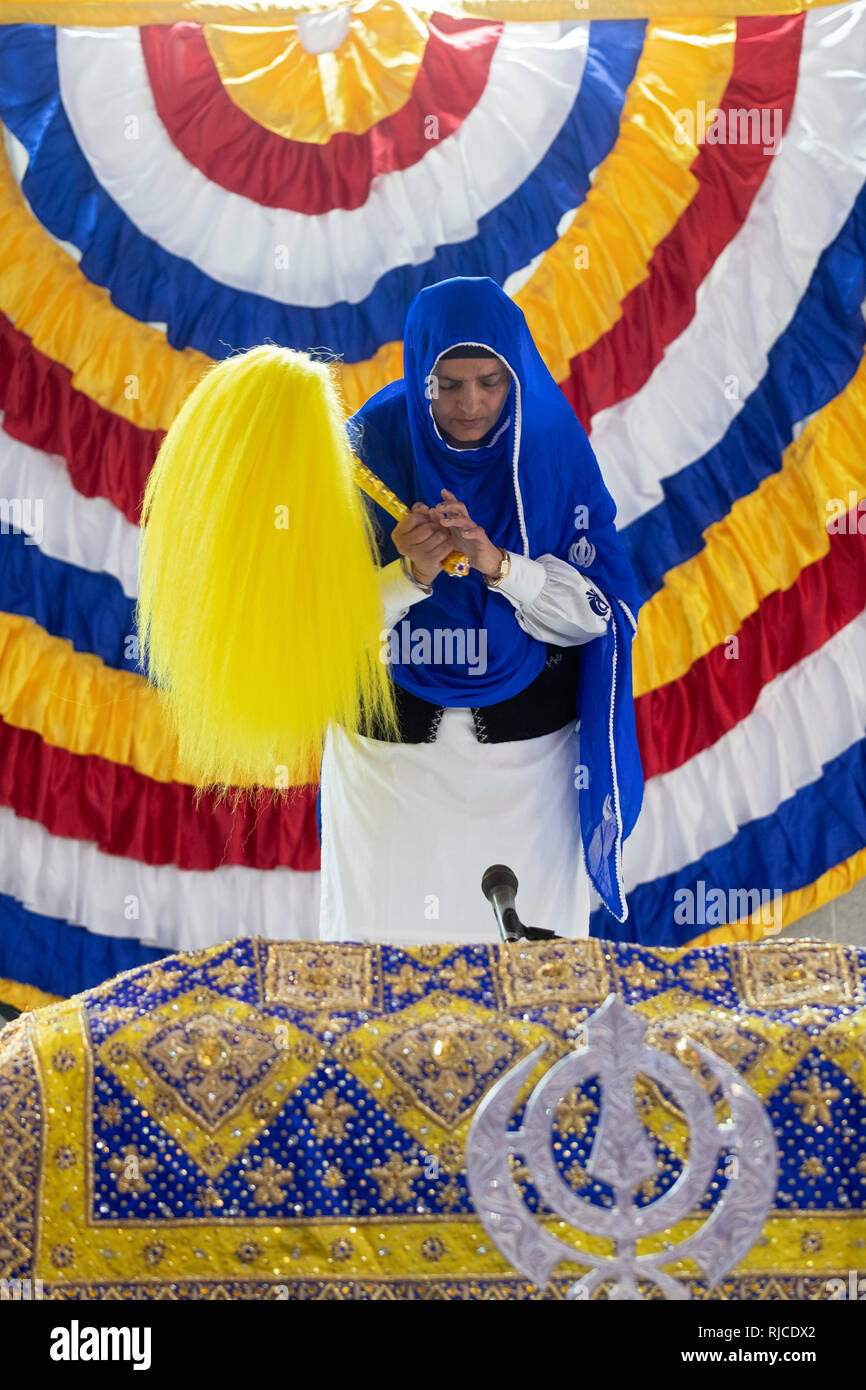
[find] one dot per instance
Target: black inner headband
(467, 350)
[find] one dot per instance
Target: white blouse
(551, 599)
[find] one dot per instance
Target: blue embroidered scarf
(536, 489)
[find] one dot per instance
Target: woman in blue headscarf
(513, 683)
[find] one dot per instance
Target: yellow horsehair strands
(259, 610)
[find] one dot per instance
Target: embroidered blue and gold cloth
(288, 1120)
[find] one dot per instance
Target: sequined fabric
(287, 1120)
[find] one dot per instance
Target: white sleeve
(398, 592)
(554, 602)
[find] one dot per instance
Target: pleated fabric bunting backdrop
(679, 209)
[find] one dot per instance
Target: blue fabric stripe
(823, 824)
(153, 285)
(89, 609)
(812, 361)
(58, 957)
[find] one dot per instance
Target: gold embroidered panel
(289, 1119)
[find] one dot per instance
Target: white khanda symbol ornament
(622, 1156)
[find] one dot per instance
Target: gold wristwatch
(504, 567)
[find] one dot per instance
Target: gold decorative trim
(19, 1150)
(742, 1288)
(318, 978)
(547, 973)
(786, 974)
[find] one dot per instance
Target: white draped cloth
(409, 829)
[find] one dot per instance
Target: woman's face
(467, 395)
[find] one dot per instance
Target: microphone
(499, 884)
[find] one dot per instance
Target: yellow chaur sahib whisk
(259, 609)
(455, 564)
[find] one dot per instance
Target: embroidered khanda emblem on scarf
(581, 553)
(623, 1158)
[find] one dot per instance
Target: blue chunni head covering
(534, 485)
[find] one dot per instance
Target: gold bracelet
(504, 568)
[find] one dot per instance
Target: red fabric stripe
(106, 456)
(233, 151)
(129, 814)
(85, 797)
(126, 813)
(676, 721)
(764, 77)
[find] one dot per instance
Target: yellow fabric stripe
(795, 905)
(368, 78)
(761, 546)
(263, 13)
(72, 701)
(124, 365)
(639, 193)
(24, 997)
(763, 543)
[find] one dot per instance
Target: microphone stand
(499, 885)
(535, 934)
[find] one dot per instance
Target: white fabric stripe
(86, 531)
(17, 156)
(18, 161)
(534, 78)
(178, 909)
(755, 285)
(803, 718)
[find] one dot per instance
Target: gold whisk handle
(456, 563)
